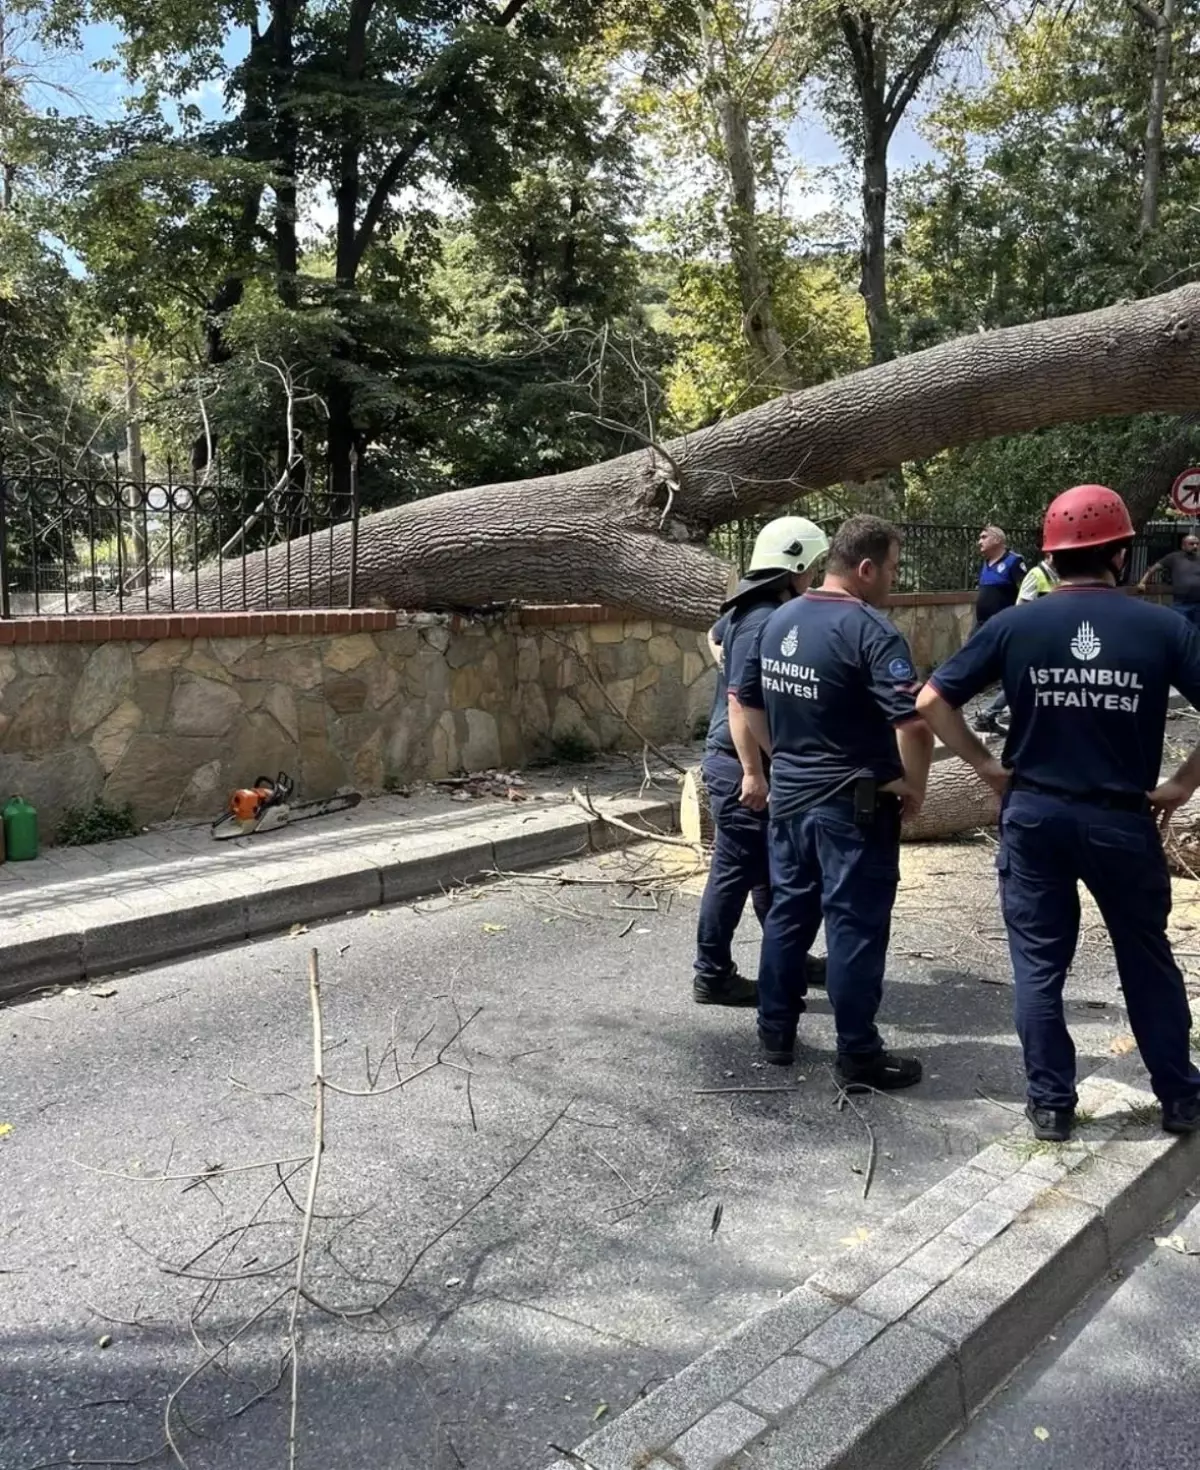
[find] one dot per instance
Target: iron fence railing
(131, 543)
(941, 558)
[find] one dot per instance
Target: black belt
(1118, 801)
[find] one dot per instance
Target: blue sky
(101, 94)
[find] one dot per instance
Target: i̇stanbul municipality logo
(1085, 645)
(791, 640)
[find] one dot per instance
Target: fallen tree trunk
(630, 531)
(956, 801)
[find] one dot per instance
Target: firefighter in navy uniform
(785, 556)
(832, 692)
(1088, 672)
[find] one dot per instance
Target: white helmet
(789, 544)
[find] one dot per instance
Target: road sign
(1185, 492)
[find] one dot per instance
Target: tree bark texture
(956, 801)
(1162, 24)
(629, 532)
(767, 347)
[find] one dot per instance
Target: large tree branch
(904, 87)
(628, 531)
(388, 181)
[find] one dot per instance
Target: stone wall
(936, 624)
(172, 723)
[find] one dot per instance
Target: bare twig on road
(718, 1091)
(589, 806)
(310, 1202)
(197, 1176)
(995, 1101)
(844, 1099)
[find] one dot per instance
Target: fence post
(4, 610)
(352, 588)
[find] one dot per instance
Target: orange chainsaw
(267, 805)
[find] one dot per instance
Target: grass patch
(99, 822)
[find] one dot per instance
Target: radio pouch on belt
(866, 799)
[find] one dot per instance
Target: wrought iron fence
(131, 543)
(940, 558)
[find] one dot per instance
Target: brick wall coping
(339, 621)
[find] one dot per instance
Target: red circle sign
(1185, 492)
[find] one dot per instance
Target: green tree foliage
(476, 241)
(1032, 210)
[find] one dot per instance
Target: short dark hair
(861, 538)
(1088, 561)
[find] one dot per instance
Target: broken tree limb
(590, 807)
(630, 533)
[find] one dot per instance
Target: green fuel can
(20, 830)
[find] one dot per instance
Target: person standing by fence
(1183, 572)
(1000, 579)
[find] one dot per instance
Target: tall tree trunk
(767, 347)
(873, 284)
(287, 145)
(629, 531)
(1163, 25)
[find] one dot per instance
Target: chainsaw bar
(273, 817)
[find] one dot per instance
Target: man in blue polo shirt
(830, 690)
(785, 556)
(1088, 673)
(1000, 580)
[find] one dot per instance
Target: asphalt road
(1115, 1387)
(515, 1310)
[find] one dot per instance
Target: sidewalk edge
(76, 953)
(880, 1358)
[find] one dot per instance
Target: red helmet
(1088, 515)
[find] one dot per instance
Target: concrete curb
(877, 1360)
(84, 940)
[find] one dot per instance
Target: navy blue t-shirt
(834, 677)
(737, 633)
(1087, 672)
(999, 585)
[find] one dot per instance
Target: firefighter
(783, 562)
(1088, 673)
(831, 691)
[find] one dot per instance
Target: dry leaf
(1175, 1243)
(5, 1128)
(110, 990)
(494, 928)
(298, 929)
(860, 1235)
(601, 1410)
(1121, 1046)
(1042, 1434)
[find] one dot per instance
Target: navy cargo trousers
(1049, 845)
(824, 863)
(739, 869)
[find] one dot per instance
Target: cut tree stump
(695, 811)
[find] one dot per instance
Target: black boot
(882, 1071)
(1051, 1125)
(778, 1047)
(726, 990)
(815, 966)
(1182, 1116)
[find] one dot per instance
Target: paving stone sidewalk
(80, 912)
(878, 1359)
